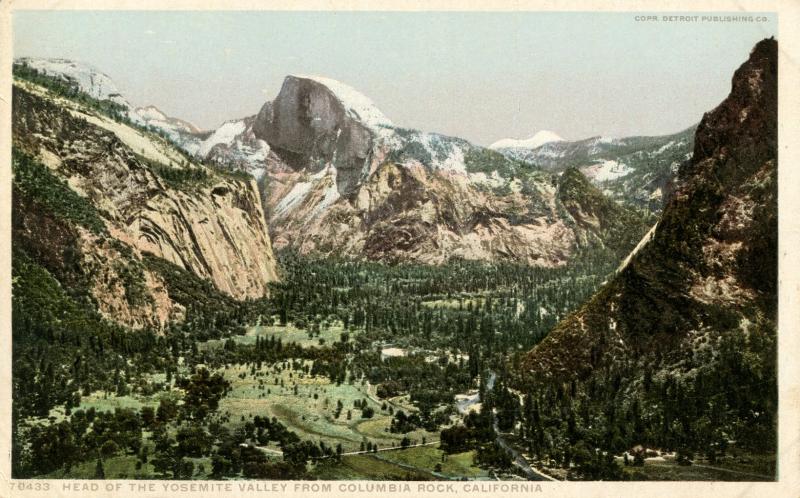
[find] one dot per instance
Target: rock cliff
(709, 267)
(150, 197)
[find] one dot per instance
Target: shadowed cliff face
(150, 200)
(710, 266)
(309, 126)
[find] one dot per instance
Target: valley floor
(367, 393)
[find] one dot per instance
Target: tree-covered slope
(678, 349)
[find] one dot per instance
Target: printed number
(30, 486)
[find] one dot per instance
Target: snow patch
(225, 134)
(331, 194)
(537, 140)
(606, 170)
(357, 105)
(664, 147)
(151, 113)
(645, 240)
(293, 198)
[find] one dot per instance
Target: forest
(355, 369)
(454, 321)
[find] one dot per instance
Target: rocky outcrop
(412, 214)
(150, 198)
(315, 121)
(342, 180)
(710, 265)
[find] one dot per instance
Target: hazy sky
(481, 76)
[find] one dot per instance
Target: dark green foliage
(34, 181)
(178, 178)
(482, 160)
(389, 301)
(131, 272)
(731, 399)
(202, 393)
(620, 228)
(60, 446)
(211, 313)
(477, 430)
(402, 423)
(493, 455)
(56, 336)
(193, 441)
(594, 465)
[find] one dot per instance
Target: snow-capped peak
(357, 105)
(539, 139)
(91, 81)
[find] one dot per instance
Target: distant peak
(540, 138)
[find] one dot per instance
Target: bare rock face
(338, 178)
(710, 265)
(341, 179)
(403, 213)
(151, 199)
(312, 123)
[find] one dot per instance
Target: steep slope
(141, 196)
(693, 310)
(597, 215)
(78, 80)
(634, 170)
(341, 179)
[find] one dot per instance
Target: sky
(482, 76)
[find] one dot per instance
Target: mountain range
(337, 177)
(137, 237)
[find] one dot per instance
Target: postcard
(377, 249)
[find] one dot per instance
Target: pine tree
(99, 472)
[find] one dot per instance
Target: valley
(329, 383)
(312, 292)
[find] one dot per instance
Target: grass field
(287, 334)
(103, 401)
(309, 416)
(428, 457)
(726, 469)
(116, 467)
(124, 467)
(367, 467)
